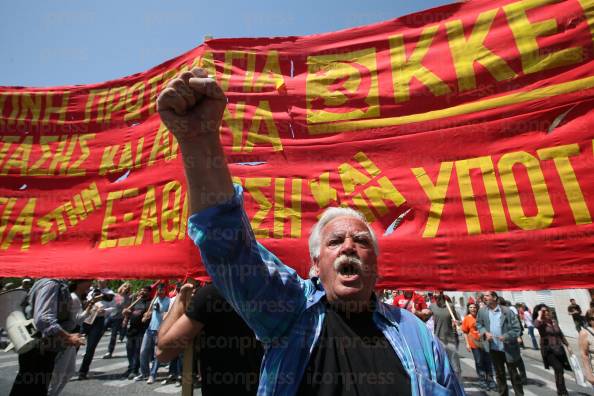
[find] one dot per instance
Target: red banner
(469, 126)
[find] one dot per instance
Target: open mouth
(348, 267)
(349, 270)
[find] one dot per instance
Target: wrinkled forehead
(345, 225)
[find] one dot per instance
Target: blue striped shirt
(286, 311)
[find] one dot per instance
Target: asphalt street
(104, 377)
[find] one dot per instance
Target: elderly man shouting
(325, 335)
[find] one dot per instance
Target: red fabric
(479, 146)
(416, 300)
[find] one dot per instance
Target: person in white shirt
(95, 327)
(529, 323)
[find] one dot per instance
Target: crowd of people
(70, 314)
(264, 329)
(149, 314)
(495, 347)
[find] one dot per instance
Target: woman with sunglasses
(551, 345)
(586, 344)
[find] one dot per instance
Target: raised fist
(192, 105)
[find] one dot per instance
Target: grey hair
(329, 215)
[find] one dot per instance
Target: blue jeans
(531, 333)
(482, 362)
(147, 354)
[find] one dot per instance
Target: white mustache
(344, 259)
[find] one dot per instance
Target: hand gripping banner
(464, 133)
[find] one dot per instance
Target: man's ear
(316, 266)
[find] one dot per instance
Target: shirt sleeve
(266, 293)
(446, 376)
(479, 323)
(203, 304)
(45, 311)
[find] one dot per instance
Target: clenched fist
(192, 106)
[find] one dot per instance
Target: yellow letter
(230, 56)
(271, 73)
(333, 81)
(560, 156)
(133, 107)
(9, 202)
(281, 213)
(46, 154)
(545, 212)
(170, 214)
(108, 219)
(148, 218)
(253, 186)
(322, 191)
(351, 178)
(527, 33)
(22, 225)
(436, 194)
(403, 70)
(60, 111)
(235, 124)
(62, 158)
(386, 191)
(19, 158)
(74, 170)
(263, 113)
(485, 164)
(466, 52)
(161, 145)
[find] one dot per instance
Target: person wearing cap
(26, 284)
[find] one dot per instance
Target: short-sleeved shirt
(136, 326)
(230, 354)
(443, 324)
(160, 306)
(469, 327)
(407, 303)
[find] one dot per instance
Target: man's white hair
(315, 237)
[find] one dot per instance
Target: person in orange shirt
(482, 360)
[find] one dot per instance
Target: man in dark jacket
(500, 328)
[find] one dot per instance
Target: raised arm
(192, 108)
(268, 295)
